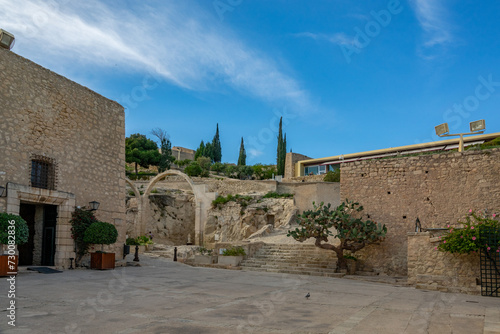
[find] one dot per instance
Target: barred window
(42, 174)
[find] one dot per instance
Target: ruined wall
(431, 269)
(45, 114)
(438, 189)
(307, 193)
(232, 222)
(290, 160)
(171, 217)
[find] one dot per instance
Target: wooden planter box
(4, 265)
(102, 261)
(233, 261)
(205, 259)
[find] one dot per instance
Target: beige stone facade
(291, 160)
(76, 132)
(182, 153)
(438, 189)
(431, 269)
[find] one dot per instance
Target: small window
(322, 169)
(42, 174)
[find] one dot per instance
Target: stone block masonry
(431, 269)
(79, 131)
(438, 189)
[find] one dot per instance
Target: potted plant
(205, 256)
(104, 234)
(232, 256)
(13, 231)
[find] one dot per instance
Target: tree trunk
(341, 261)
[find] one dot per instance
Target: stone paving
(163, 296)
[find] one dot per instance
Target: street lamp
(476, 127)
(94, 205)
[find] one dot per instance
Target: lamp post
(476, 127)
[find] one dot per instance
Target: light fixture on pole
(7, 40)
(476, 127)
(94, 205)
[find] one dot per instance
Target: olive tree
(344, 223)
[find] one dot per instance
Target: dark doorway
(49, 235)
(27, 212)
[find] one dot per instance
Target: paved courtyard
(168, 297)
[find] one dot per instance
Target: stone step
(260, 261)
(298, 272)
(277, 266)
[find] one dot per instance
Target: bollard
(136, 258)
(175, 254)
(71, 265)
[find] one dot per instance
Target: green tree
(166, 157)
(281, 150)
(200, 151)
(264, 172)
(205, 164)
(218, 167)
(209, 151)
(141, 151)
(353, 232)
(193, 169)
(216, 147)
(242, 159)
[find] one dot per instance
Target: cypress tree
(242, 159)
(281, 151)
(216, 147)
(200, 151)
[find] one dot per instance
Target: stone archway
(203, 201)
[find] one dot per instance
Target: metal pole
(136, 258)
(175, 254)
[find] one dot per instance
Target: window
(42, 173)
(322, 169)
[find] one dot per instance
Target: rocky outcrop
(170, 218)
(235, 222)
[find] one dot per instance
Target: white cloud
(337, 38)
(176, 40)
(432, 17)
(254, 153)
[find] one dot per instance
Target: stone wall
(170, 217)
(290, 160)
(181, 153)
(431, 269)
(46, 115)
(307, 193)
(438, 189)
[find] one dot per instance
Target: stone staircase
(293, 259)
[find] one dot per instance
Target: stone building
(182, 153)
(61, 146)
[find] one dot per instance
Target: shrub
(205, 163)
(19, 228)
(468, 239)
(193, 169)
(144, 240)
(332, 176)
(80, 221)
(204, 251)
(221, 200)
(101, 233)
(273, 194)
(218, 167)
(244, 172)
(234, 251)
(132, 242)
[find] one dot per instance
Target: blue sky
(346, 76)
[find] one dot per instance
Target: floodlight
(477, 125)
(442, 129)
(6, 39)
